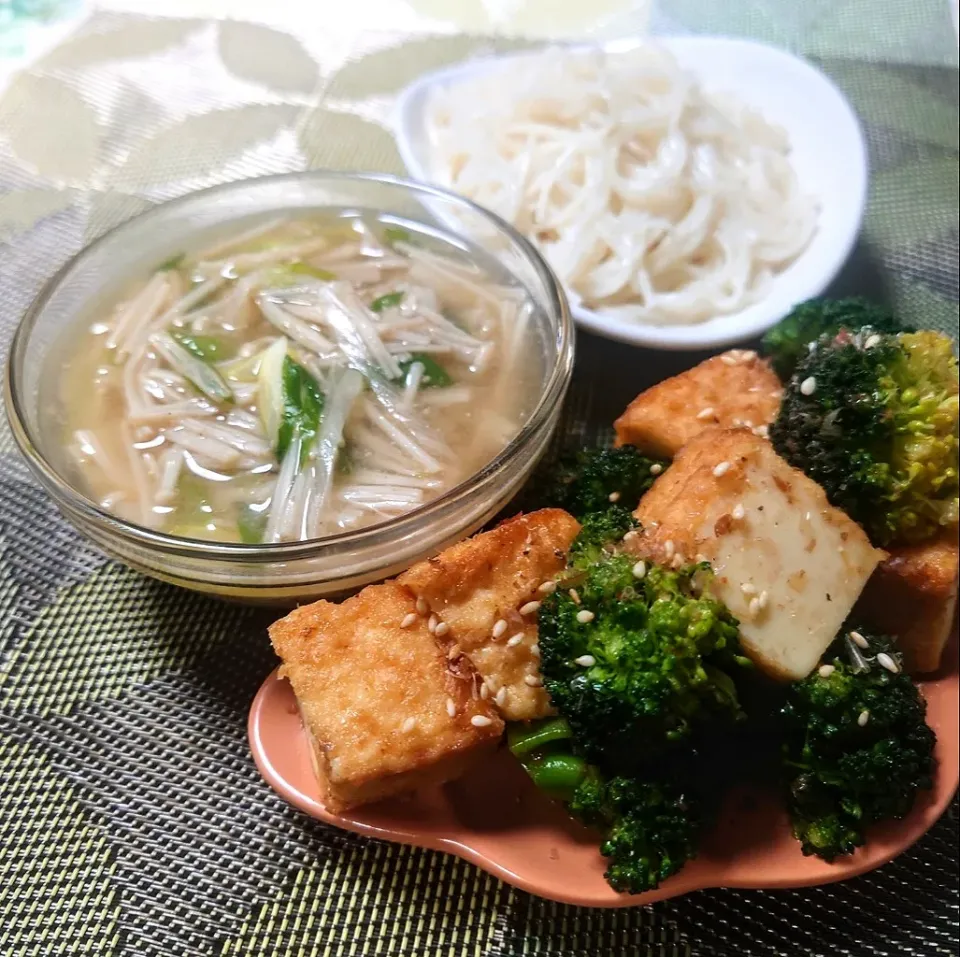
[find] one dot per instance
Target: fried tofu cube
(482, 590)
(737, 389)
(788, 564)
(385, 707)
(913, 595)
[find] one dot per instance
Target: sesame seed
(454, 651)
(754, 607)
(762, 431)
(808, 386)
(736, 423)
(701, 557)
(705, 413)
(532, 680)
(484, 691)
(631, 535)
(574, 596)
(613, 497)
(885, 661)
(763, 598)
(408, 725)
(451, 707)
(408, 620)
(863, 719)
(859, 640)
(500, 698)
(669, 548)
(678, 561)
(748, 355)
(535, 650)
(499, 628)
(585, 616)
(640, 569)
(480, 721)
(441, 629)
(748, 588)
(530, 608)
(871, 342)
(514, 641)
(728, 360)
(585, 661)
(422, 608)
(807, 517)
(548, 587)
(656, 468)
(432, 623)
(825, 671)
(738, 512)
(721, 469)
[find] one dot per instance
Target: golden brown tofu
(386, 707)
(737, 389)
(787, 563)
(482, 590)
(913, 595)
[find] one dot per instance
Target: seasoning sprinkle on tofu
(408, 620)
(706, 413)
(720, 470)
(441, 629)
(480, 721)
(514, 641)
(408, 725)
(499, 628)
(548, 587)
(451, 708)
(530, 608)
(533, 681)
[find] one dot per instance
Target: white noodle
(654, 200)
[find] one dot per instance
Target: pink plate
(497, 819)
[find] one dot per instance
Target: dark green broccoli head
(857, 747)
(787, 342)
(651, 828)
(633, 662)
(873, 419)
(599, 535)
(593, 479)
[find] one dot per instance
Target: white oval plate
(828, 153)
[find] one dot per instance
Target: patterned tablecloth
(132, 820)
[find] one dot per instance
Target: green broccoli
(857, 748)
(873, 418)
(787, 342)
(599, 534)
(592, 479)
(650, 827)
(633, 660)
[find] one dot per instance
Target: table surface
(132, 820)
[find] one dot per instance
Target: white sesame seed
(640, 569)
(530, 608)
(484, 691)
(631, 535)
(535, 650)
(808, 386)
(422, 607)
(702, 558)
(499, 628)
(859, 640)
(754, 607)
(885, 661)
(656, 468)
(678, 561)
(480, 721)
(454, 651)
(863, 719)
(825, 671)
(532, 680)
(432, 623)
(500, 698)
(585, 661)
(408, 620)
(574, 596)
(748, 355)
(585, 616)
(871, 342)
(408, 725)
(441, 629)
(748, 588)
(807, 517)
(728, 360)
(613, 497)
(762, 431)
(514, 641)
(669, 548)
(762, 599)
(705, 413)
(451, 707)
(738, 512)
(721, 469)
(736, 423)
(547, 587)
(748, 423)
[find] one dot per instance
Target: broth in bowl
(299, 378)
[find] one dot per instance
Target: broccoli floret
(787, 342)
(584, 482)
(873, 418)
(857, 747)
(651, 827)
(632, 663)
(599, 535)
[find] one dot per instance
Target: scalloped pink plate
(497, 819)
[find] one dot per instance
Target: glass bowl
(287, 572)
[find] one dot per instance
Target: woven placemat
(132, 820)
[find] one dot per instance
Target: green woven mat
(132, 820)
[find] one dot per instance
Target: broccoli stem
(531, 736)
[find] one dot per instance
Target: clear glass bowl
(297, 571)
